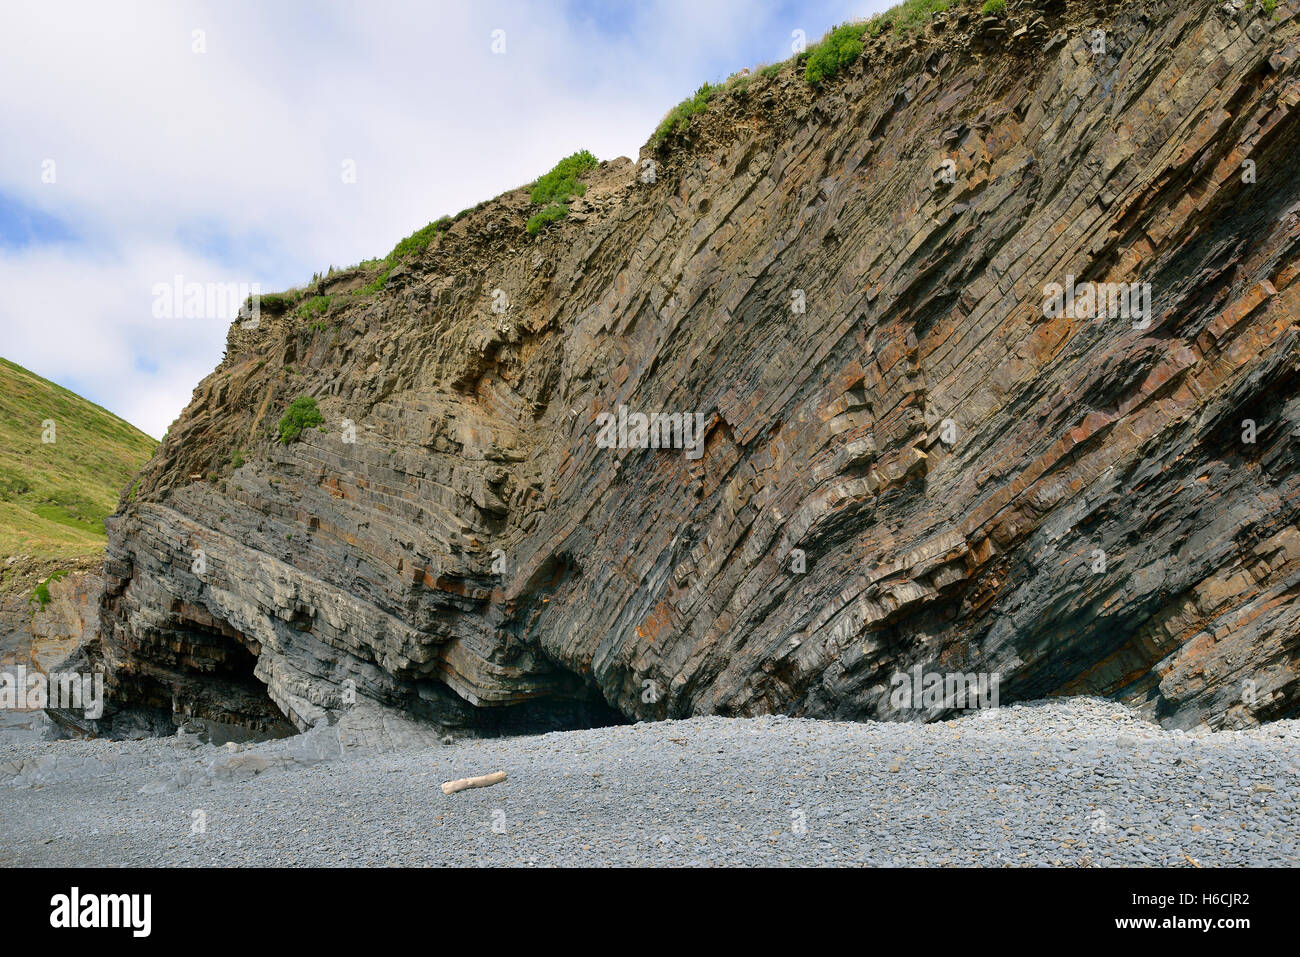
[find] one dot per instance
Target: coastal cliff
(923, 443)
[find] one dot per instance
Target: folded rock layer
(909, 457)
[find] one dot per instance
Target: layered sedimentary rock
(909, 456)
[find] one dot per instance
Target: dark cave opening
(201, 678)
(574, 709)
(550, 714)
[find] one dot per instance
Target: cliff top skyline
(232, 144)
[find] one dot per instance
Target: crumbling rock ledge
(920, 467)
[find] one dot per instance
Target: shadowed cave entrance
(547, 714)
(575, 705)
(206, 683)
(213, 690)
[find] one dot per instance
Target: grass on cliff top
(679, 117)
(419, 240)
(822, 61)
(412, 245)
(838, 50)
(551, 191)
(562, 181)
(843, 45)
(554, 190)
(907, 16)
(55, 496)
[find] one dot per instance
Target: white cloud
(225, 165)
(93, 323)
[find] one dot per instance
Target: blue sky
(143, 141)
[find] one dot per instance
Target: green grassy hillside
(55, 496)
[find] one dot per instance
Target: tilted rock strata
(642, 582)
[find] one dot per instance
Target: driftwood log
(482, 781)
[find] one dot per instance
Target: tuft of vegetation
(41, 594)
(378, 283)
(562, 181)
(837, 50)
(994, 8)
(1268, 6)
(547, 216)
(679, 117)
(419, 240)
(237, 460)
(915, 13)
(301, 414)
(554, 190)
(275, 303)
(910, 15)
(413, 244)
(313, 307)
(737, 82)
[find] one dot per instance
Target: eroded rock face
(968, 483)
(40, 639)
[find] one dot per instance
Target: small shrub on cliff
(562, 181)
(301, 414)
(547, 216)
(680, 115)
(994, 8)
(554, 190)
(839, 49)
(41, 594)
